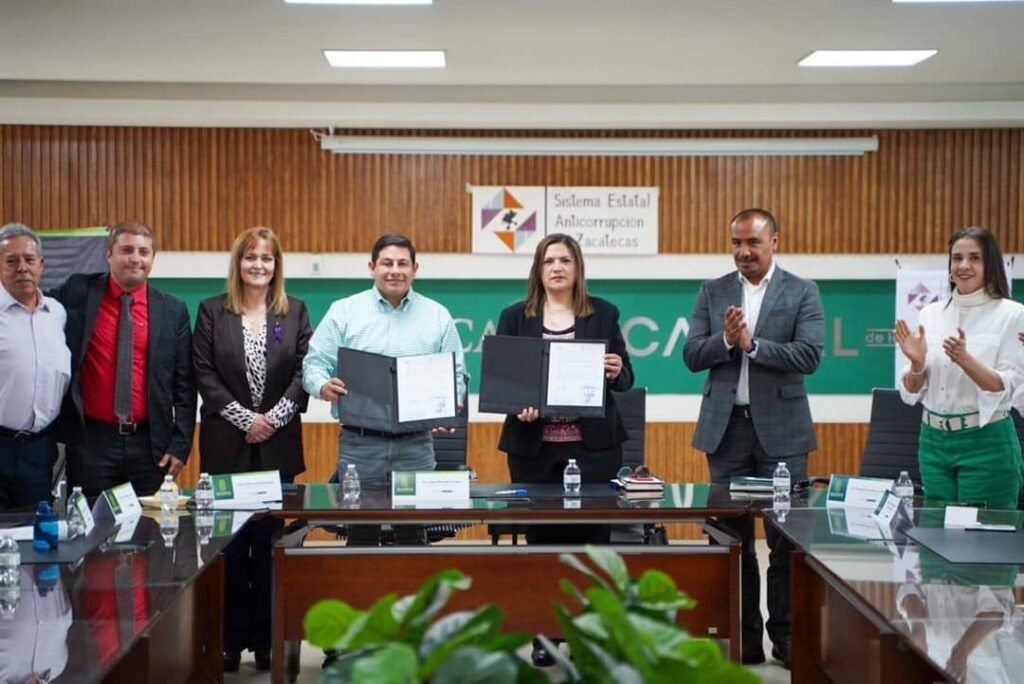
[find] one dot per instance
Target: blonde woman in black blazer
(247, 350)
(557, 306)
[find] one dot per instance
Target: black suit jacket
(219, 356)
(170, 390)
(523, 439)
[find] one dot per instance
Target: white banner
(617, 221)
(916, 288)
(604, 220)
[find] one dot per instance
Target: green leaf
(625, 642)
(624, 674)
(508, 642)
(657, 594)
(455, 631)
(590, 624)
(470, 665)
(570, 589)
(612, 564)
(432, 597)
(664, 638)
(375, 626)
(327, 621)
(589, 662)
(576, 564)
(393, 664)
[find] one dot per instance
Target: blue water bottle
(45, 529)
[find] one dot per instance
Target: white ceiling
(637, 62)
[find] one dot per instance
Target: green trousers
(979, 466)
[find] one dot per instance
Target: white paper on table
(576, 374)
(960, 517)
(426, 387)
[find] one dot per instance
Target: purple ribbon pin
(277, 332)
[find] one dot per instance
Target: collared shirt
(99, 367)
(753, 296)
(366, 321)
(35, 363)
(990, 327)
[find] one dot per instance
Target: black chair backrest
(892, 437)
(450, 449)
(632, 406)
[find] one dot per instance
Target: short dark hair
(392, 240)
(130, 227)
(754, 212)
(995, 272)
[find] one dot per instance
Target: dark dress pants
(26, 471)
(546, 467)
(740, 454)
(249, 580)
(107, 458)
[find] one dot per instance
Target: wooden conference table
(123, 608)
(874, 610)
(522, 580)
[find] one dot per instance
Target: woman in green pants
(965, 365)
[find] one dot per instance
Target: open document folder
(557, 377)
(404, 394)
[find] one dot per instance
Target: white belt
(956, 423)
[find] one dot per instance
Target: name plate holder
(253, 490)
(118, 504)
(856, 492)
(440, 488)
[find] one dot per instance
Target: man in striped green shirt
(389, 318)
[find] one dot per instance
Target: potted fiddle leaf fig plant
(399, 641)
(626, 630)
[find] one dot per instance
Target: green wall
(655, 315)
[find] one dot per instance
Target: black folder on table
(972, 546)
(372, 399)
(514, 375)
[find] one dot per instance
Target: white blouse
(990, 327)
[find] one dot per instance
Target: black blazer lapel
(771, 298)
(157, 312)
(92, 306)
(533, 326)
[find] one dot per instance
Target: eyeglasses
(629, 471)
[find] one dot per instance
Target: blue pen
(510, 492)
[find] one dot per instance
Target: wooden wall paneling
(200, 187)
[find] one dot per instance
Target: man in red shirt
(130, 414)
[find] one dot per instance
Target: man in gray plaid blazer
(758, 330)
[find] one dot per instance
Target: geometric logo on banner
(508, 219)
(920, 296)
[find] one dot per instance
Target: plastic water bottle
(904, 486)
(168, 494)
(350, 487)
(45, 530)
(204, 524)
(168, 527)
(572, 478)
(76, 523)
(780, 490)
(10, 562)
(204, 491)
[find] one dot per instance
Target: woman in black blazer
(557, 306)
(247, 350)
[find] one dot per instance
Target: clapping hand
(956, 347)
(913, 345)
(734, 325)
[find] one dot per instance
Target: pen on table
(510, 492)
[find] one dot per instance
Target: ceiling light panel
(866, 58)
(386, 59)
(359, 2)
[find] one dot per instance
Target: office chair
(892, 437)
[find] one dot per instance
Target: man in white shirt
(758, 331)
(35, 370)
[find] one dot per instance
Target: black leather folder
(372, 399)
(514, 375)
